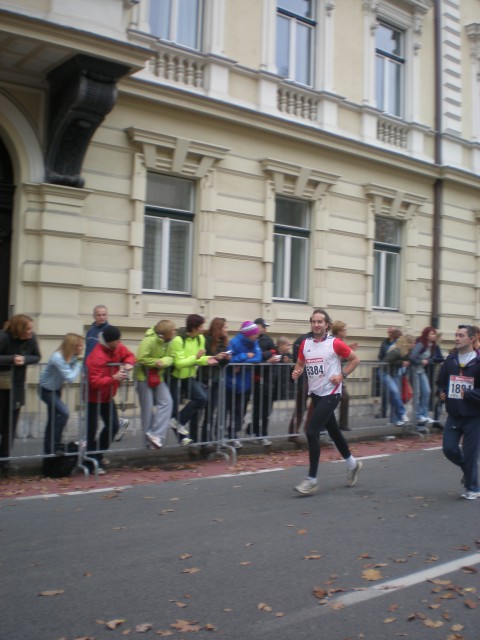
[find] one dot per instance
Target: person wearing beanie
(109, 364)
(244, 350)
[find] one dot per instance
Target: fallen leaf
(185, 625)
(210, 627)
(113, 624)
(141, 628)
(263, 607)
(337, 605)
(371, 574)
(470, 604)
(389, 620)
(319, 592)
(245, 564)
(433, 624)
(393, 607)
(164, 633)
(457, 627)
(53, 592)
(191, 570)
(185, 556)
(469, 570)
(302, 532)
(313, 557)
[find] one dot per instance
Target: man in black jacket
(459, 386)
(263, 384)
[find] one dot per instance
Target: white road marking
(74, 493)
(384, 588)
(236, 475)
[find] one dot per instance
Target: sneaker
(405, 417)
(421, 420)
(266, 442)
(122, 427)
(421, 429)
(471, 495)
(185, 442)
(101, 471)
(154, 441)
(307, 487)
(179, 428)
(352, 475)
(399, 423)
(236, 444)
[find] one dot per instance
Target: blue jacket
(57, 372)
(469, 406)
(91, 339)
(239, 379)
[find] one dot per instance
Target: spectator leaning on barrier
(420, 357)
(188, 352)
(321, 357)
(459, 386)
(244, 349)
(301, 394)
(63, 366)
(109, 364)
(18, 348)
(263, 384)
(153, 358)
(384, 347)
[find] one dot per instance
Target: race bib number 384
(458, 384)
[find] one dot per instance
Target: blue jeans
(197, 396)
(465, 457)
(56, 420)
(421, 394)
(396, 404)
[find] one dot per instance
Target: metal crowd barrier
(245, 403)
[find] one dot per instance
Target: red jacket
(101, 385)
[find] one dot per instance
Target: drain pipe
(438, 184)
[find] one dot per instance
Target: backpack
(61, 466)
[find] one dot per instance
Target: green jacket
(150, 350)
(184, 351)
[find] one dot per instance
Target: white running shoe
(236, 444)
(122, 427)
(352, 476)
(266, 442)
(471, 495)
(185, 442)
(154, 441)
(179, 428)
(307, 487)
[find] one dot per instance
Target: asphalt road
(243, 557)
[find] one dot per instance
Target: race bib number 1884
(457, 384)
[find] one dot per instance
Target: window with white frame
(386, 275)
(178, 21)
(390, 69)
(167, 253)
(295, 40)
(291, 238)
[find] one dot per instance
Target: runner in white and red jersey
(321, 358)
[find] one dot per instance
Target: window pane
(152, 253)
(380, 82)
(302, 58)
(283, 46)
(387, 231)
(187, 23)
(388, 40)
(391, 280)
(160, 18)
(279, 266)
(169, 192)
(394, 80)
(377, 299)
(299, 7)
(297, 268)
(179, 252)
(292, 213)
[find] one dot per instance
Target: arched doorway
(6, 206)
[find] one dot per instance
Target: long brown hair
(69, 345)
(17, 325)
(215, 333)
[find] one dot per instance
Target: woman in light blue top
(63, 366)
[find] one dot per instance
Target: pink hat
(248, 328)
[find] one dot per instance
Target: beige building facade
(240, 158)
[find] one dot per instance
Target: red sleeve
(340, 348)
(126, 356)
(301, 357)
